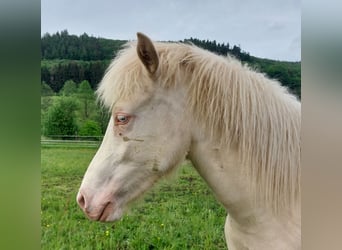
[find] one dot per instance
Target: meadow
(178, 213)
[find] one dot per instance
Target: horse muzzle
(103, 211)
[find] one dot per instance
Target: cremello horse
(240, 129)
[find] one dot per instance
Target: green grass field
(180, 213)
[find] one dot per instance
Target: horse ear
(147, 53)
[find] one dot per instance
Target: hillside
(70, 57)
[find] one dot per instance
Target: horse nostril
(81, 200)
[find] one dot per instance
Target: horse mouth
(106, 212)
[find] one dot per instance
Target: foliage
(69, 88)
(46, 103)
(84, 89)
(60, 118)
(64, 46)
(219, 48)
(86, 97)
(81, 58)
(46, 90)
(178, 214)
(89, 115)
(90, 128)
(102, 117)
(288, 73)
(74, 65)
(56, 72)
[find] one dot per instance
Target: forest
(72, 66)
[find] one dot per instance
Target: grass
(176, 214)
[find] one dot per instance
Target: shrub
(60, 118)
(90, 128)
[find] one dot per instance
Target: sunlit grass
(177, 214)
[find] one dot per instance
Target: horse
(240, 129)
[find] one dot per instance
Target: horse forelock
(236, 105)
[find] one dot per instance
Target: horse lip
(107, 208)
(100, 214)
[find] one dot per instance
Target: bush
(60, 118)
(90, 128)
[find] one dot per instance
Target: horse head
(147, 135)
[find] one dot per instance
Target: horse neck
(222, 168)
(222, 171)
(248, 225)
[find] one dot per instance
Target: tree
(69, 88)
(236, 51)
(46, 90)
(86, 95)
(60, 118)
(45, 74)
(102, 116)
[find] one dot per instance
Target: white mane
(236, 105)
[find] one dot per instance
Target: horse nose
(81, 200)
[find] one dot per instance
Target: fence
(71, 141)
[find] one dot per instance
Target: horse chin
(110, 213)
(114, 216)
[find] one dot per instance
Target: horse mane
(238, 106)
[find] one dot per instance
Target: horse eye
(121, 119)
